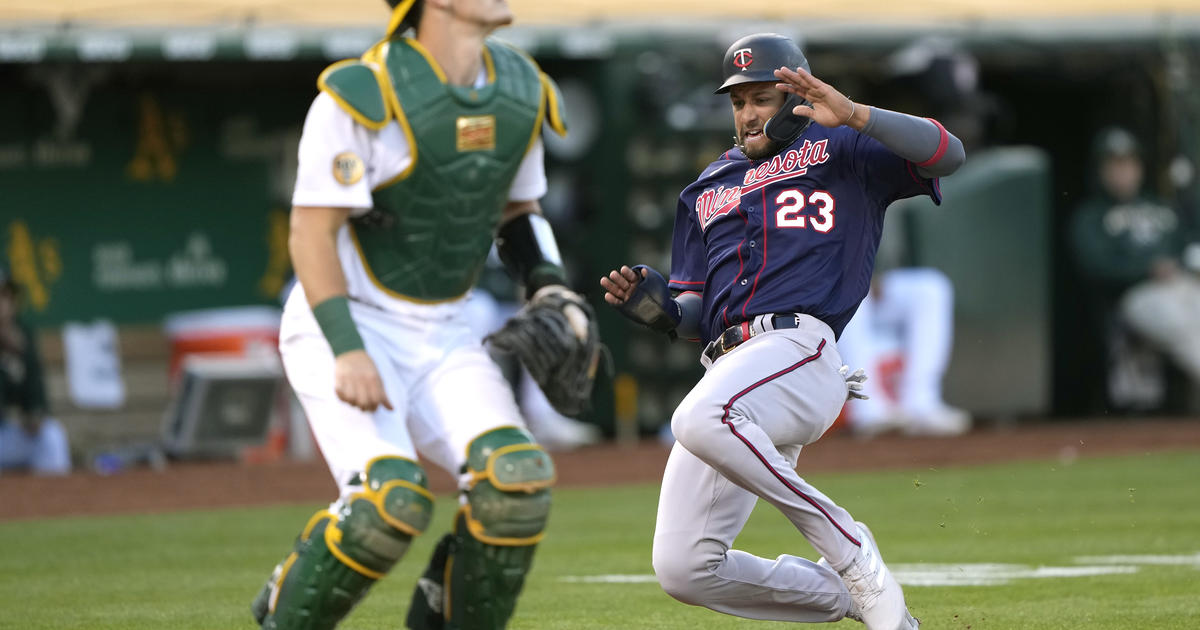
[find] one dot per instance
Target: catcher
(413, 159)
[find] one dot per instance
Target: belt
(735, 335)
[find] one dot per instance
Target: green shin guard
(484, 583)
(477, 572)
(261, 606)
(427, 609)
(337, 559)
(315, 589)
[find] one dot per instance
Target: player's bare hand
(357, 382)
(828, 107)
(854, 382)
(619, 284)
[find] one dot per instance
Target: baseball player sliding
(413, 160)
(773, 250)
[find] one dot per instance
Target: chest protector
(432, 226)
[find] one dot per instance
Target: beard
(760, 150)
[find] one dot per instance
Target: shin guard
(478, 570)
(338, 558)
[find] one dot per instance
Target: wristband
(333, 315)
(527, 248)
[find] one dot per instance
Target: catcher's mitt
(556, 338)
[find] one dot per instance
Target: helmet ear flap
(784, 127)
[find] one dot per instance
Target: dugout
(147, 150)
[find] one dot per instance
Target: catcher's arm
(556, 338)
(641, 294)
(312, 243)
(526, 244)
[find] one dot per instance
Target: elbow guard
(529, 252)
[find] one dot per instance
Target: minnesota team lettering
(720, 201)
(793, 162)
(714, 203)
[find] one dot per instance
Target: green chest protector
(428, 236)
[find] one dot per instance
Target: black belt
(738, 333)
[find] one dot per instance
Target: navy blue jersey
(796, 232)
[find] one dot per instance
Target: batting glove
(854, 382)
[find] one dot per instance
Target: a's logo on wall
(347, 168)
(161, 139)
(743, 57)
(278, 262)
(34, 263)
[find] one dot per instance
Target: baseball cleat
(852, 612)
(874, 590)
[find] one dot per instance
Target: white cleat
(874, 590)
(852, 612)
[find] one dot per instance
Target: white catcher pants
(444, 388)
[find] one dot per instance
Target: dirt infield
(204, 485)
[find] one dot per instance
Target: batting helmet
(755, 58)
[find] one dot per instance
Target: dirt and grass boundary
(202, 485)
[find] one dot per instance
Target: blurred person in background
(1130, 248)
(413, 160)
(902, 334)
(29, 438)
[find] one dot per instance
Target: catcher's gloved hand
(854, 383)
(556, 338)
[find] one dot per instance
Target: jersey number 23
(791, 210)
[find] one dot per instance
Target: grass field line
(972, 574)
(1193, 559)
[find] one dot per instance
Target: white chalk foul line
(923, 574)
(978, 574)
(608, 579)
(993, 574)
(1183, 560)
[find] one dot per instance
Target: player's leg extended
(384, 500)
(700, 513)
(783, 388)
(478, 570)
(465, 419)
(780, 388)
(340, 555)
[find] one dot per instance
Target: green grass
(200, 569)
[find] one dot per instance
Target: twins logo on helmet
(772, 51)
(743, 57)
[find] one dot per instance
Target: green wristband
(333, 315)
(542, 275)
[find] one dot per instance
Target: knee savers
(338, 557)
(379, 522)
(508, 495)
(478, 570)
